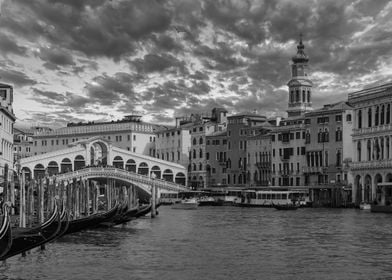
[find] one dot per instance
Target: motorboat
(364, 206)
(190, 203)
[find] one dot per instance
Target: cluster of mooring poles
(44, 209)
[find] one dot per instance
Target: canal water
(221, 243)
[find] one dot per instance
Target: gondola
(124, 216)
(92, 220)
(5, 231)
(143, 210)
(29, 240)
(285, 206)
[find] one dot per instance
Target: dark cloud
(16, 78)
(55, 58)
(181, 53)
(156, 63)
(8, 44)
(47, 96)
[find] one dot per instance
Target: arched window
(297, 95)
(200, 166)
(308, 96)
(320, 136)
(194, 167)
(382, 115)
(326, 135)
(338, 158)
(370, 117)
(201, 140)
(303, 96)
(194, 141)
(376, 117)
(388, 116)
(338, 135)
(200, 153)
(359, 119)
(359, 150)
(369, 151)
(194, 153)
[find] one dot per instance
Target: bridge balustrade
(120, 174)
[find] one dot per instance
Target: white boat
(190, 203)
(271, 196)
(364, 206)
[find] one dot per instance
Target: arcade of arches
(366, 186)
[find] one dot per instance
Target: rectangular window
(134, 137)
(298, 135)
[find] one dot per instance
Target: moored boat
(190, 203)
(25, 241)
(5, 231)
(364, 206)
(92, 220)
(271, 196)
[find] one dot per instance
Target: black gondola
(92, 220)
(143, 210)
(29, 240)
(5, 231)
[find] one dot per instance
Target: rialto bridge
(96, 158)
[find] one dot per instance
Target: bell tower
(300, 86)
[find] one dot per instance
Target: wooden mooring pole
(153, 199)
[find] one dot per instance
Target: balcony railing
(313, 169)
(372, 130)
(367, 165)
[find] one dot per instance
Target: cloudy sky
(78, 60)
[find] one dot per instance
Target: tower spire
(300, 86)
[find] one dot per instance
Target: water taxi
(187, 204)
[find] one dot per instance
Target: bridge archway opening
(99, 153)
(130, 165)
(168, 175)
(118, 162)
(157, 171)
(79, 162)
(27, 173)
(180, 178)
(143, 169)
(66, 165)
(39, 171)
(53, 168)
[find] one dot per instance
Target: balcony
(372, 130)
(222, 162)
(368, 165)
(263, 165)
(313, 169)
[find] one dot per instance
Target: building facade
(216, 159)
(201, 128)
(173, 144)
(129, 134)
(23, 142)
(239, 128)
(7, 120)
(372, 141)
(288, 152)
(259, 157)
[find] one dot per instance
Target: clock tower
(300, 86)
